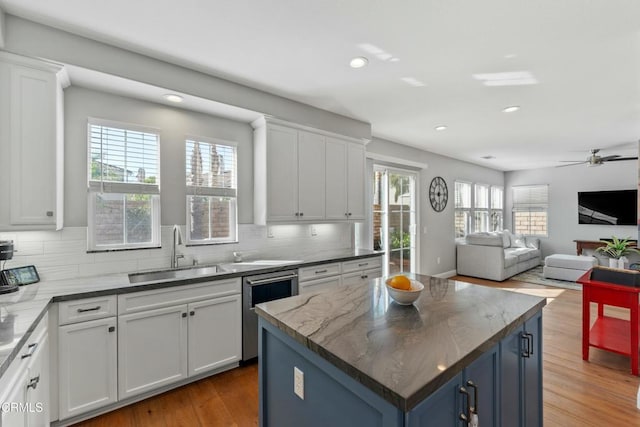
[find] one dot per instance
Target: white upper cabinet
(31, 143)
(306, 175)
(344, 180)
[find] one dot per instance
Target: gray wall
(564, 185)
(28, 38)
(438, 241)
(174, 125)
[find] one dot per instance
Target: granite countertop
(21, 311)
(403, 353)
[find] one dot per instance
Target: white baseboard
(446, 274)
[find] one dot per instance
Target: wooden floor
(601, 392)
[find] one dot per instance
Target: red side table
(609, 333)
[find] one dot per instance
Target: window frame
(533, 206)
(472, 209)
(193, 191)
(95, 187)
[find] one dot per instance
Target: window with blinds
(497, 208)
(124, 186)
(462, 215)
(211, 182)
(481, 207)
(530, 207)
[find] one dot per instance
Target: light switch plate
(298, 382)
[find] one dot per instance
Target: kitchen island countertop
(402, 353)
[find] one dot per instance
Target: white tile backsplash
(63, 254)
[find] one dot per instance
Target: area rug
(535, 276)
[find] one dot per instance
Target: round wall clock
(438, 194)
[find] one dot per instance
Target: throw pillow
(517, 241)
(506, 238)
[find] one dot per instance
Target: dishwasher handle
(271, 279)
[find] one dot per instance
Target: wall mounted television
(618, 207)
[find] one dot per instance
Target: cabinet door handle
(364, 276)
(526, 352)
(184, 314)
(192, 313)
(33, 382)
(49, 213)
(530, 339)
(31, 349)
(297, 214)
(465, 416)
(301, 213)
(474, 408)
(84, 310)
(112, 328)
(346, 214)
(349, 213)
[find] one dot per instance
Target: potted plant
(616, 249)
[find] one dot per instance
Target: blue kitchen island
(350, 356)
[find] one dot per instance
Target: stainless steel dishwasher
(258, 289)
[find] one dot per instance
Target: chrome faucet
(177, 240)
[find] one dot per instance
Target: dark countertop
(21, 311)
(402, 353)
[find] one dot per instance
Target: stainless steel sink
(183, 273)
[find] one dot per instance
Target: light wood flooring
(601, 392)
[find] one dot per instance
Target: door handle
(530, 339)
(474, 408)
(526, 352)
(467, 415)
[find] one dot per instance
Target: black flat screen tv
(608, 207)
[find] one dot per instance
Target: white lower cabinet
(319, 284)
(152, 349)
(87, 366)
(361, 277)
(215, 333)
(24, 386)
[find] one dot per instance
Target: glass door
(394, 218)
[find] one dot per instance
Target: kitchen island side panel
(331, 398)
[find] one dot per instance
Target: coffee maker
(6, 252)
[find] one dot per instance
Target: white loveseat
(497, 255)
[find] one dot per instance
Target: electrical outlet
(314, 232)
(438, 260)
(298, 382)
(424, 229)
(270, 232)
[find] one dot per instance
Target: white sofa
(497, 255)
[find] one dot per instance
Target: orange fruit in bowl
(400, 282)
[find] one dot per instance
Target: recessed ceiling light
(359, 62)
(511, 109)
(440, 127)
(394, 59)
(510, 56)
(172, 97)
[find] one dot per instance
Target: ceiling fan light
(591, 164)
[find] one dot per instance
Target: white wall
(438, 241)
(174, 124)
(564, 185)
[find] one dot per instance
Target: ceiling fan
(595, 160)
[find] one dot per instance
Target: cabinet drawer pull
(527, 351)
(31, 349)
(84, 310)
(49, 213)
(321, 271)
(363, 264)
(33, 382)
(112, 328)
(364, 276)
(467, 415)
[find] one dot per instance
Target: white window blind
(497, 197)
(481, 196)
(531, 198)
(123, 160)
(211, 169)
(462, 195)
